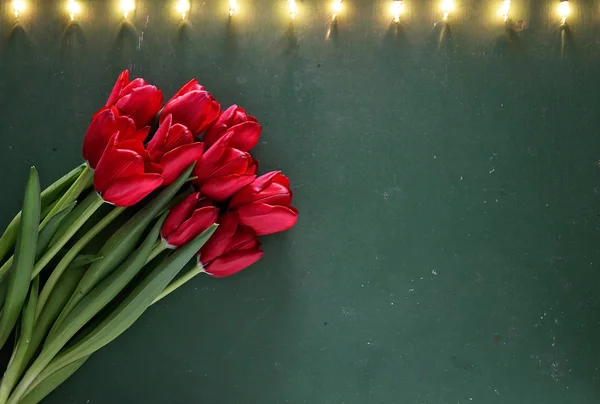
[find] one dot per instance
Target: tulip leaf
(83, 260)
(87, 308)
(48, 197)
(19, 358)
(123, 241)
(22, 268)
(46, 234)
(48, 382)
(56, 302)
(69, 258)
(68, 227)
(133, 306)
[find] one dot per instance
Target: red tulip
(124, 176)
(104, 125)
(264, 205)
(245, 128)
(223, 170)
(188, 219)
(173, 148)
(137, 99)
(193, 107)
(231, 248)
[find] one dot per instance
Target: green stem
(95, 201)
(158, 248)
(177, 283)
(83, 182)
(70, 256)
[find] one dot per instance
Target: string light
(232, 7)
(397, 9)
(337, 8)
(18, 7)
(447, 7)
(183, 7)
(73, 9)
(127, 6)
(504, 9)
(564, 9)
(293, 8)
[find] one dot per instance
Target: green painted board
(447, 178)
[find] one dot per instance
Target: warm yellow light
(397, 9)
(337, 8)
(18, 7)
(564, 9)
(127, 6)
(293, 8)
(447, 7)
(73, 8)
(504, 9)
(232, 7)
(183, 7)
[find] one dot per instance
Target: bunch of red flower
(191, 128)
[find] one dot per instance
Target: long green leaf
(47, 233)
(20, 276)
(83, 182)
(48, 382)
(123, 241)
(69, 226)
(19, 356)
(71, 255)
(133, 306)
(48, 197)
(88, 307)
(56, 302)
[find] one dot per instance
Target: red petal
(179, 214)
(121, 82)
(222, 188)
(179, 135)
(233, 262)
(101, 129)
(129, 191)
(220, 242)
(187, 87)
(267, 219)
(234, 161)
(210, 159)
(200, 220)
(247, 194)
(114, 164)
(128, 89)
(156, 146)
(142, 104)
(245, 135)
(195, 110)
(176, 161)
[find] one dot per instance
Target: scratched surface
(447, 178)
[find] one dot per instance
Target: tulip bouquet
(89, 254)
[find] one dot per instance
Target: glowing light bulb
(127, 6)
(397, 9)
(564, 9)
(18, 7)
(232, 7)
(73, 8)
(337, 8)
(447, 7)
(293, 8)
(183, 7)
(504, 9)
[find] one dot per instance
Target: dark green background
(447, 247)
